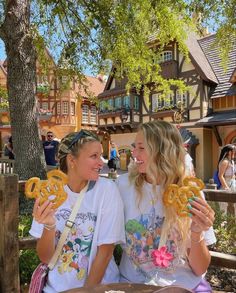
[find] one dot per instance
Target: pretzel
(178, 197)
(193, 181)
(32, 187)
(59, 175)
(51, 189)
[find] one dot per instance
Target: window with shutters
(136, 102)
(72, 108)
(110, 104)
(65, 108)
(166, 56)
(59, 108)
(93, 115)
(182, 97)
(126, 101)
(155, 102)
(118, 102)
(169, 100)
(85, 114)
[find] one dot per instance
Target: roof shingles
(211, 51)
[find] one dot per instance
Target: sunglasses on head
(81, 134)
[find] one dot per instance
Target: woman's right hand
(44, 214)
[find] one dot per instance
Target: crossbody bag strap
(68, 225)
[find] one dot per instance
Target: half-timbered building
(63, 104)
(211, 89)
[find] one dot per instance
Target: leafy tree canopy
(94, 34)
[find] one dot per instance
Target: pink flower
(162, 258)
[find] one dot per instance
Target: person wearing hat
(86, 258)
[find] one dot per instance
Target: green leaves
(4, 104)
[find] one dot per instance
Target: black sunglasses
(81, 134)
(50, 135)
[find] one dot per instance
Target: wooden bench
(10, 244)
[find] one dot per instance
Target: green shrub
(28, 259)
(225, 231)
(28, 262)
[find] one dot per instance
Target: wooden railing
(6, 166)
(10, 244)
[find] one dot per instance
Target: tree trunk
(21, 79)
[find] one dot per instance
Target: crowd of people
(159, 247)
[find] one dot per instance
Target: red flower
(162, 258)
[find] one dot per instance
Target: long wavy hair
(166, 153)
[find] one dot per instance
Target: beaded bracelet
(49, 227)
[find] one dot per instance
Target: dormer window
(166, 56)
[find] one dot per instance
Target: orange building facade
(63, 106)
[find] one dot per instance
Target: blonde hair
(166, 152)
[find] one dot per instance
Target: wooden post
(9, 246)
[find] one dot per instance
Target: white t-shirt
(100, 220)
(143, 225)
(189, 165)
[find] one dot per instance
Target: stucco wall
(123, 139)
(203, 166)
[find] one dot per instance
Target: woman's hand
(203, 215)
(44, 214)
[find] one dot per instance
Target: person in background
(8, 150)
(188, 163)
(161, 247)
(86, 258)
(50, 147)
(226, 167)
(113, 156)
(226, 174)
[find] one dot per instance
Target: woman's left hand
(203, 215)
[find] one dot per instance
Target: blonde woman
(184, 256)
(86, 257)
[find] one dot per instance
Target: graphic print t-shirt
(143, 224)
(77, 253)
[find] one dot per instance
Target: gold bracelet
(49, 227)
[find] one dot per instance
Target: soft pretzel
(170, 194)
(51, 189)
(59, 175)
(178, 196)
(32, 187)
(193, 181)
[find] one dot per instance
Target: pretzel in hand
(51, 189)
(178, 196)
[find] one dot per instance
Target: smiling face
(87, 165)
(140, 153)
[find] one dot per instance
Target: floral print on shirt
(142, 239)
